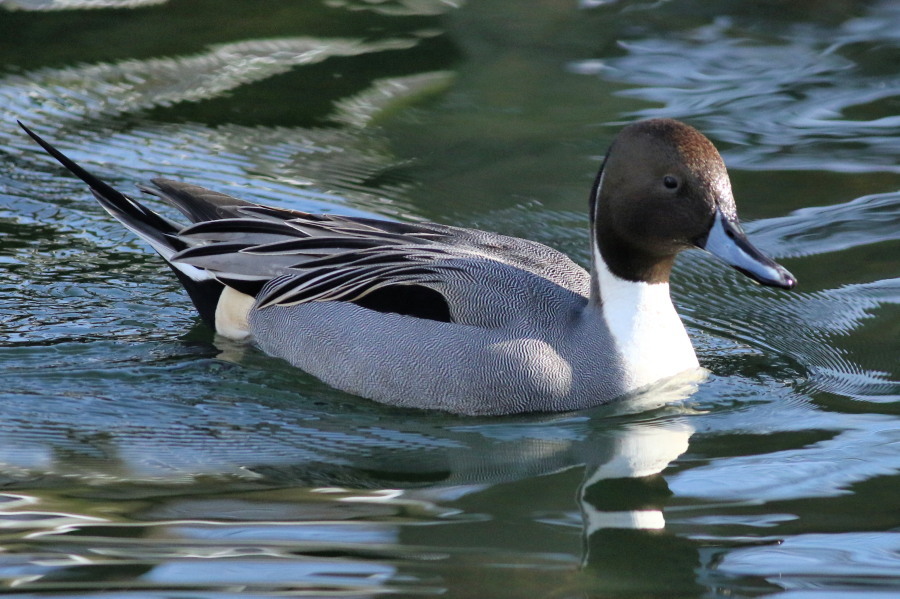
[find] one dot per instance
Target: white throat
(647, 330)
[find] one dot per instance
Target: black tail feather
(158, 231)
(197, 203)
(110, 197)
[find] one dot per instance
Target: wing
(378, 265)
(284, 257)
(231, 218)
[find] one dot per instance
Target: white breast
(648, 333)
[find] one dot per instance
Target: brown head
(663, 188)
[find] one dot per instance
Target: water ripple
(823, 229)
(824, 563)
(796, 116)
(48, 5)
(133, 85)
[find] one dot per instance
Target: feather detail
(282, 257)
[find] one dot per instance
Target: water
(142, 457)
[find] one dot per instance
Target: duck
(438, 317)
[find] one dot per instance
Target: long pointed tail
(158, 231)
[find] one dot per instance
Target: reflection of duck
(431, 316)
(415, 504)
(617, 509)
(625, 547)
(621, 501)
(643, 450)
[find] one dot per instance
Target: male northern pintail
(462, 320)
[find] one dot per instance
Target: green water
(140, 456)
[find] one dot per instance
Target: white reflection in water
(134, 85)
(829, 562)
(783, 104)
(398, 8)
(865, 450)
(49, 5)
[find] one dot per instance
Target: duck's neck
(648, 333)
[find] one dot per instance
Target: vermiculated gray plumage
(503, 294)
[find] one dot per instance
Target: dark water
(140, 456)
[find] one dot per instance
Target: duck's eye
(670, 182)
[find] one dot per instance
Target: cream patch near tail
(232, 312)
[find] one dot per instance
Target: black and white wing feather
(287, 257)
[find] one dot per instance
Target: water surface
(142, 456)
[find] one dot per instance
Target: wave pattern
(137, 452)
(808, 113)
